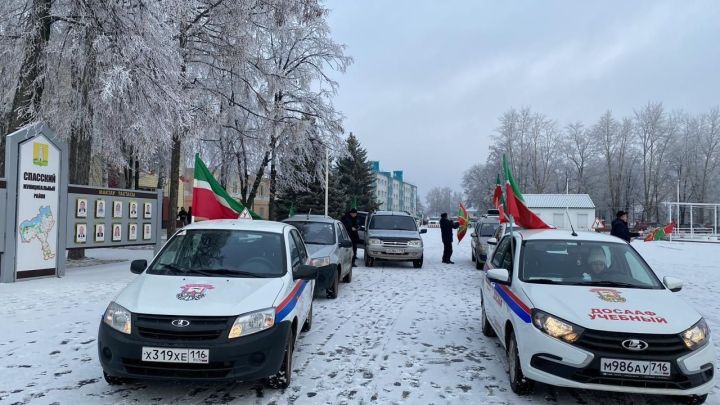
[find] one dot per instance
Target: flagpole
(327, 178)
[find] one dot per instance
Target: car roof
(239, 224)
(310, 218)
(489, 220)
(405, 214)
(562, 234)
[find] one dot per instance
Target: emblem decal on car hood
(635, 345)
(609, 295)
(193, 292)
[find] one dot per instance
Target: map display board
(38, 200)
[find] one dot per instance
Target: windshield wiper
(175, 268)
(543, 281)
(225, 272)
(607, 283)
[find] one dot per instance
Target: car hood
(383, 233)
(173, 295)
(614, 309)
(316, 251)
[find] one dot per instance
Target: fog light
(107, 353)
(257, 358)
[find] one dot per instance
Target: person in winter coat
(620, 227)
(182, 216)
(189, 215)
(446, 230)
(350, 221)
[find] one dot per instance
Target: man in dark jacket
(351, 225)
(446, 230)
(620, 228)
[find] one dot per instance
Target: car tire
(308, 322)
(693, 399)
(472, 256)
(478, 264)
(348, 277)
(519, 384)
(418, 263)
(283, 377)
(332, 292)
(369, 261)
(487, 329)
(112, 380)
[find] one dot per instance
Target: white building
(553, 209)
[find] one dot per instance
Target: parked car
(393, 236)
(434, 222)
(222, 300)
(500, 231)
(484, 229)
(586, 311)
(327, 242)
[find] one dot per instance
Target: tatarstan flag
(499, 200)
(463, 222)
(211, 201)
(659, 233)
(516, 207)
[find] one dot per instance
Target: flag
(211, 201)
(499, 200)
(463, 221)
(659, 233)
(516, 207)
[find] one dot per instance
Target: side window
(294, 253)
(342, 233)
(508, 256)
(497, 260)
(300, 246)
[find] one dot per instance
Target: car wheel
(418, 263)
(472, 256)
(283, 377)
(487, 329)
(308, 322)
(369, 261)
(348, 277)
(112, 380)
(519, 384)
(693, 399)
(478, 264)
(332, 292)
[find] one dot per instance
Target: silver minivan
(393, 236)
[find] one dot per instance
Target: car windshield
(487, 230)
(585, 263)
(316, 233)
(393, 222)
(222, 253)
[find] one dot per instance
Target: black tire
(519, 384)
(487, 329)
(418, 263)
(692, 399)
(112, 380)
(472, 256)
(348, 277)
(308, 322)
(478, 264)
(283, 377)
(369, 261)
(332, 292)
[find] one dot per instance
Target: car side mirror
(492, 241)
(138, 266)
(673, 284)
(345, 244)
(423, 231)
(305, 272)
(473, 235)
(501, 276)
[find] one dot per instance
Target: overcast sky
(431, 78)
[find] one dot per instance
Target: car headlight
(415, 243)
(252, 323)
(374, 241)
(697, 335)
(556, 327)
(320, 261)
(118, 318)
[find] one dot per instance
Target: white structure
(699, 222)
(554, 209)
(392, 192)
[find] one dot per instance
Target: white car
(584, 310)
(223, 300)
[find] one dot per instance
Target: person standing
(620, 227)
(182, 216)
(351, 225)
(189, 215)
(446, 231)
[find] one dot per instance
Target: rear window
(487, 229)
(316, 233)
(393, 222)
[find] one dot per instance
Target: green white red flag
(659, 233)
(499, 200)
(521, 214)
(463, 222)
(211, 201)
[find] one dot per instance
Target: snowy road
(395, 335)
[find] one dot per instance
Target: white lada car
(586, 311)
(223, 300)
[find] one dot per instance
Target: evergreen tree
(312, 199)
(356, 178)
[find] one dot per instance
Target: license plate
(394, 250)
(171, 355)
(635, 367)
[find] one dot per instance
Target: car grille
(394, 244)
(610, 344)
(159, 327)
(178, 370)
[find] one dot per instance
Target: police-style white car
(584, 310)
(223, 300)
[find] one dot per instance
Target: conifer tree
(356, 178)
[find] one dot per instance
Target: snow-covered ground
(395, 335)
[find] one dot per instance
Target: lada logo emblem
(180, 323)
(635, 345)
